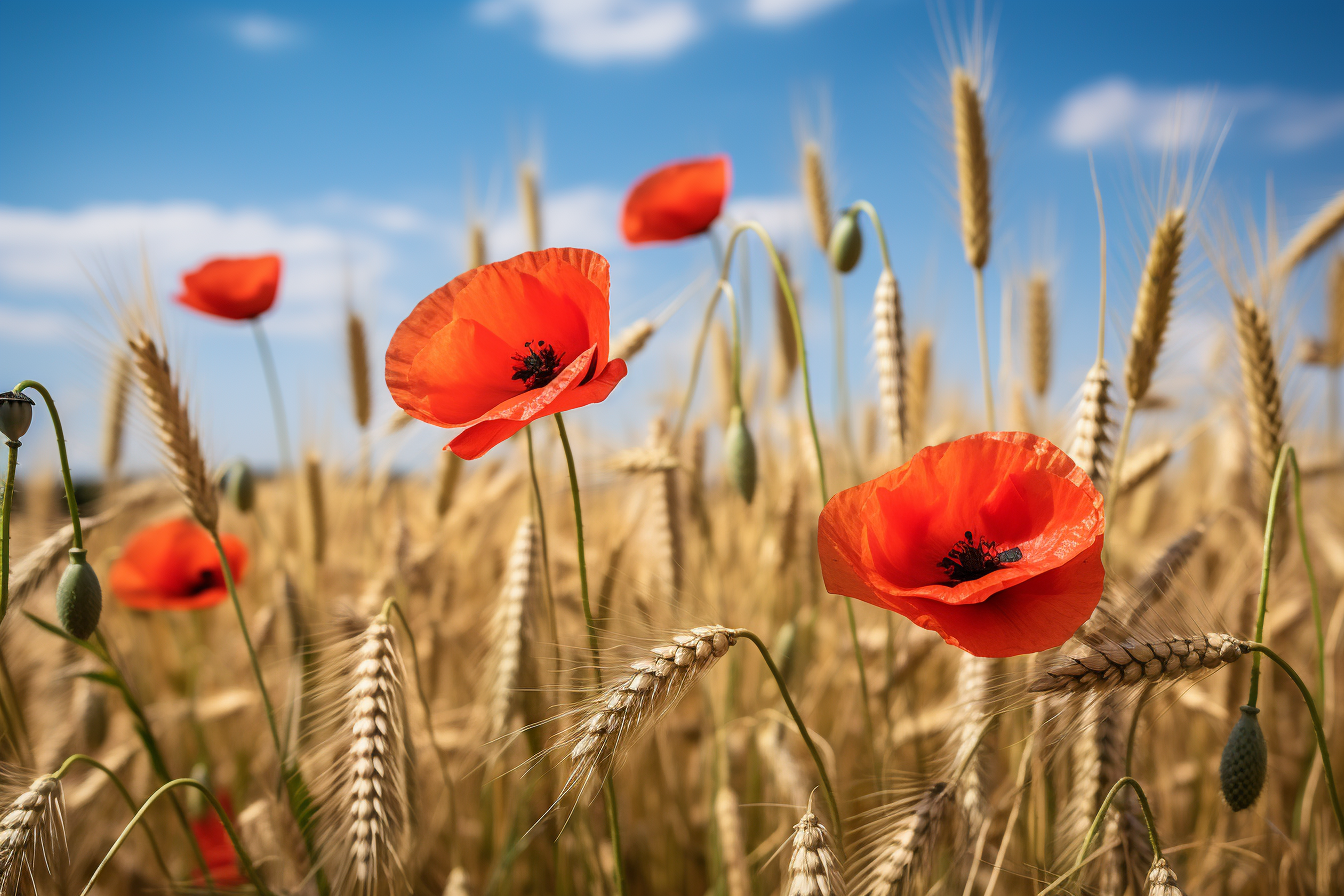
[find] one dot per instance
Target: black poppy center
(970, 559)
(539, 365)
(207, 580)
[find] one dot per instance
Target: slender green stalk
(77, 541)
(277, 399)
(1126, 781)
(248, 868)
(247, 642)
(1321, 743)
(802, 731)
(843, 421)
(983, 335)
(545, 548)
(867, 208)
(126, 796)
(727, 289)
(608, 786)
(6, 504)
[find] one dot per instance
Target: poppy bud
(1245, 758)
(239, 485)
(79, 597)
(16, 414)
(741, 454)
(846, 243)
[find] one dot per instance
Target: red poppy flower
(992, 541)
(174, 566)
(677, 200)
(505, 344)
(216, 847)
(232, 288)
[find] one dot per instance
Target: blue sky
(338, 132)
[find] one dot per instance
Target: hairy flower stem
(5, 507)
(545, 550)
(787, 291)
(608, 786)
(300, 801)
(248, 868)
(983, 336)
(1321, 744)
(802, 731)
(1092, 832)
(130, 802)
(277, 399)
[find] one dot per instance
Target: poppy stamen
(970, 559)
(539, 366)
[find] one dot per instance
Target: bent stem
(77, 542)
(126, 796)
(608, 786)
(5, 505)
(984, 346)
(802, 730)
(273, 387)
(1321, 744)
(248, 868)
(1126, 781)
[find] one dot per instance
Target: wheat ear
(621, 713)
(168, 410)
(1260, 384)
(1092, 438)
(529, 201)
(357, 357)
(476, 253)
(732, 844)
(1312, 235)
(633, 338)
(904, 855)
(968, 742)
(115, 408)
(1334, 314)
(1157, 292)
(1097, 760)
(445, 485)
(968, 124)
(813, 869)
(784, 771)
(32, 827)
(1040, 334)
(920, 388)
(1106, 663)
(1143, 465)
(889, 344)
(1162, 880)
(512, 625)
(376, 773)
(317, 506)
(815, 194)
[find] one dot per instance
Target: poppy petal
(677, 200)
(464, 371)
(232, 288)
(174, 566)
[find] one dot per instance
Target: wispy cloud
(598, 31)
(46, 253)
(263, 33)
(1116, 109)
(787, 12)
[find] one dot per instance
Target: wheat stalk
(613, 720)
(376, 764)
(1260, 385)
(1157, 291)
(903, 855)
(813, 869)
(1106, 663)
(357, 355)
(177, 436)
(731, 842)
(114, 414)
(920, 388)
(34, 823)
(972, 152)
(815, 194)
(512, 629)
(1312, 235)
(1092, 439)
(1039, 333)
(529, 202)
(889, 344)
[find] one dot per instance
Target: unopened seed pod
(79, 597)
(16, 414)
(240, 486)
(1245, 761)
(846, 243)
(741, 453)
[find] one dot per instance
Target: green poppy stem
(608, 785)
(1124, 782)
(129, 800)
(5, 506)
(277, 398)
(248, 867)
(548, 593)
(77, 541)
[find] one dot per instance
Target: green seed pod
(846, 243)
(1245, 761)
(79, 597)
(240, 486)
(741, 454)
(16, 414)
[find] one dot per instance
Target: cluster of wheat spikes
(429, 711)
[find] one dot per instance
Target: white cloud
(783, 217)
(261, 32)
(1116, 109)
(586, 216)
(787, 12)
(597, 31)
(45, 253)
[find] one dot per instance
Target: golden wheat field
(909, 642)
